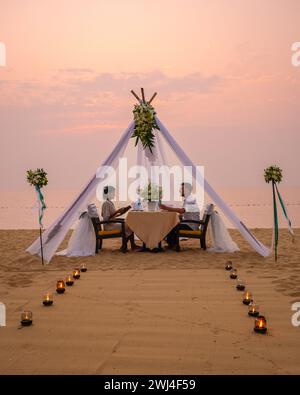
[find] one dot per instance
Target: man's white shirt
(192, 211)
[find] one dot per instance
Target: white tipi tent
(54, 235)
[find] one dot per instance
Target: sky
(227, 89)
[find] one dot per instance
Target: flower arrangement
(37, 178)
(144, 118)
(273, 174)
(151, 192)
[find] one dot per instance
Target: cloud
(73, 97)
(87, 87)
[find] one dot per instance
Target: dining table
(151, 226)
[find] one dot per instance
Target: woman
(109, 212)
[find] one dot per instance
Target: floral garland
(37, 178)
(273, 174)
(144, 118)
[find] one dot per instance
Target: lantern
(240, 286)
(260, 325)
(48, 300)
(26, 318)
(60, 287)
(247, 298)
(83, 268)
(233, 274)
(76, 274)
(253, 310)
(69, 280)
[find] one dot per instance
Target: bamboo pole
(149, 102)
(136, 96)
(41, 241)
(143, 95)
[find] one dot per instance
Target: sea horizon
(253, 205)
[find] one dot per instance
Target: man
(188, 211)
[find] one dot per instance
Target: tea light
(76, 274)
(253, 310)
(260, 325)
(233, 274)
(60, 287)
(247, 298)
(26, 318)
(69, 280)
(228, 265)
(48, 300)
(83, 268)
(240, 286)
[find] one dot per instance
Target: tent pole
(136, 96)
(143, 95)
(41, 241)
(149, 102)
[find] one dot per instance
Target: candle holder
(240, 286)
(83, 268)
(60, 287)
(76, 274)
(260, 325)
(26, 318)
(69, 280)
(247, 298)
(48, 300)
(228, 265)
(233, 274)
(253, 310)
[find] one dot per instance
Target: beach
(146, 313)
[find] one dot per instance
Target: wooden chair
(195, 234)
(102, 234)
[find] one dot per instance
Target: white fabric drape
(186, 161)
(55, 234)
(220, 237)
(82, 242)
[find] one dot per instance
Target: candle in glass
(253, 310)
(247, 298)
(83, 268)
(69, 280)
(26, 318)
(260, 325)
(240, 286)
(233, 274)
(228, 265)
(48, 300)
(60, 287)
(76, 274)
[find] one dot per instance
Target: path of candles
(143, 321)
(247, 298)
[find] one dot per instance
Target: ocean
(252, 205)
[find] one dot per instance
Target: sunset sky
(227, 89)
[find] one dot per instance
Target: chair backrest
(96, 224)
(206, 217)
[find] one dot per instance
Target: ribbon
(41, 204)
(285, 212)
(275, 220)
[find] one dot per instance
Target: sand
(145, 313)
